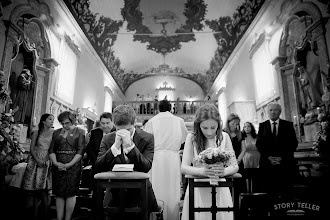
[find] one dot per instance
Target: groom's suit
(141, 156)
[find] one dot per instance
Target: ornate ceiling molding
(102, 33)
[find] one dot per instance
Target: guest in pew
(276, 142)
(93, 147)
(249, 155)
(128, 144)
(233, 129)
(66, 150)
(38, 177)
(208, 134)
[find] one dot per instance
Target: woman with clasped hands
(66, 150)
(208, 134)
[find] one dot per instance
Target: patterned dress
(66, 183)
(35, 177)
(203, 195)
(252, 156)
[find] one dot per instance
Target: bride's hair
(203, 113)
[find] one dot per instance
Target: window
(107, 100)
(66, 71)
(263, 71)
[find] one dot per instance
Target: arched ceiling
(144, 38)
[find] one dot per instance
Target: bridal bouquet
(213, 156)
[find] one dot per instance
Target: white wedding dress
(203, 195)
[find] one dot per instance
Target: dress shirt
(277, 123)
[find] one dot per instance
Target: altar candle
(318, 110)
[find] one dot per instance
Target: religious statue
(23, 85)
(311, 93)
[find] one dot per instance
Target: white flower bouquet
(213, 156)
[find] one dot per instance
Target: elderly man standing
(169, 132)
(276, 142)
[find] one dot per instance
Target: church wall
(89, 89)
(91, 74)
(240, 80)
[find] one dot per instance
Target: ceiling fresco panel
(143, 38)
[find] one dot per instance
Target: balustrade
(177, 107)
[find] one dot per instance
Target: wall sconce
(221, 90)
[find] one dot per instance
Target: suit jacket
(141, 156)
(76, 138)
(283, 145)
(93, 146)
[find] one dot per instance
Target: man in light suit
(276, 142)
(128, 144)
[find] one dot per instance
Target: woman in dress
(66, 150)
(37, 177)
(249, 155)
(249, 152)
(233, 129)
(207, 134)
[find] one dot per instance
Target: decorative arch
(36, 8)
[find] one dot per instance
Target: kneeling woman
(208, 134)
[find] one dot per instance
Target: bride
(207, 134)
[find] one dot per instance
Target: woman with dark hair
(37, 177)
(66, 150)
(249, 156)
(249, 152)
(208, 134)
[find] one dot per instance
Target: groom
(128, 144)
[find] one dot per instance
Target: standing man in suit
(276, 142)
(93, 146)
(128, 144)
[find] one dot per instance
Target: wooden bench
(123, 180)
